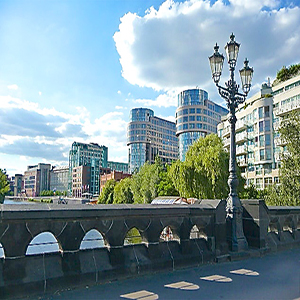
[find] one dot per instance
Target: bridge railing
(170, 236)
(130, 240)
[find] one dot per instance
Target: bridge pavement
(274, 276)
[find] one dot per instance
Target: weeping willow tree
(204, 173)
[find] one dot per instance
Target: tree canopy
(204, 173)
(4, 185)
(288, 192)
(286, 73)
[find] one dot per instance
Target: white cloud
(167, 99)
(42, 134)
(168, 48)
(40, 93)
(12, 87)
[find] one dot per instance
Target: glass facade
(149, 136)
(196, 116)
(91, 155)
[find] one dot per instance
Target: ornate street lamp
(230, 93)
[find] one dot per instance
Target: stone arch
(93, 239)
(44, 242)
(167, 235)
(133, 236)
(198, 233)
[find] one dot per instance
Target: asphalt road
(274, 276)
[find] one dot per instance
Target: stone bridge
(167, 237)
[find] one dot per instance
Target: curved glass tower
(196, 116)
(149, 136)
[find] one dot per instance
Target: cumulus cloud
(12, 87)
(32, 131)
(163, 100)
(168, 48)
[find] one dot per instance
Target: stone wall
(167, 240)
(71, 266)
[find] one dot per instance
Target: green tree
(151, 181)
(123, 192)
(165, 186)
(288, 192)
(204, 173)
(4, 185)
(286, 73)
(107, 195)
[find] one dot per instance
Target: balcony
(278, 141)
(241, 137)
(241, 150)
(226, 132)
(295, 105)
(240, 125)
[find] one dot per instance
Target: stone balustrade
(171, 237)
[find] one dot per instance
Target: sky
(71, 70)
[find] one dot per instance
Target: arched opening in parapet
(298, 225)
(168, 235)
(288, 226)
(273, 228)
(93, 239)
(197, 233)
(132, 237)
(2, 253)
(44, 242)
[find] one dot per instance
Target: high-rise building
(258, 144)
(196, 116)
(91, 155)
(149, 136)
(37, 179)
(59, 177)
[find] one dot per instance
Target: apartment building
(258, 144)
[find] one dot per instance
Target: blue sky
(72, 70)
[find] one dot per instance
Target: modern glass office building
(196, 116)
(91, 155)
(149, 136)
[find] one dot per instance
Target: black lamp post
(230, 93)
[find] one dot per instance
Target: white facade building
(258, 145)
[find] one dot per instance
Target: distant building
(118, 166)
(149, 136)
(18, 184)
(196, 116)
(81, 180)
(91, 155)
(59, 177)
(117, 176)
(37, 179)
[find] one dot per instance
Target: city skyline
(72, 70)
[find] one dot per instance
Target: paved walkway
(274, 276)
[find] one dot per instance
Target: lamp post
(232, 96)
